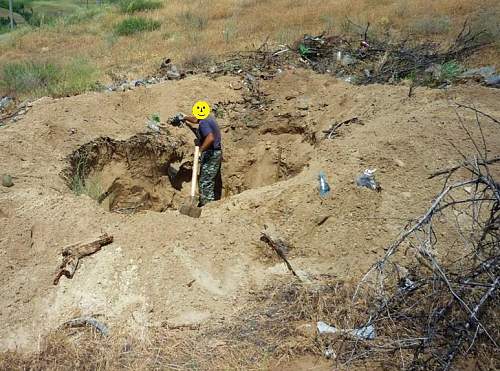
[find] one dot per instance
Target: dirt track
(272, 158)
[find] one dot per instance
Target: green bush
(450, 71)
(132, 6)
(36, 79)
(133, 25)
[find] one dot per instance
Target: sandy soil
(164, 267)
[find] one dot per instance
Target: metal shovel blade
(190, 209)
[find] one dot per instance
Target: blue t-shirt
(207, 126)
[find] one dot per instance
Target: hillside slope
(166, 268)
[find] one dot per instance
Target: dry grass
(206, 29)
(268, 333)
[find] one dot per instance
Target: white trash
(363, 333)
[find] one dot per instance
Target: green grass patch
(37, 79)
(132, 6)
(134, 25)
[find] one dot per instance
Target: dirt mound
(167, 269)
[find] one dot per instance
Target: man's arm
(209, 139)
(191, 119)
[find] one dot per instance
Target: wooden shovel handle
(194, 177)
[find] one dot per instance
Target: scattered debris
(154, 122)
(87, 321)
(73, 253)
(7, 181)
(269, 236)
(362, 333)
(324, 187)
(377, 61)
(170, 70)
(367, 179)
(177, 119)
(12, 112)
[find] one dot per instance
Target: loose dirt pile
(165, 269)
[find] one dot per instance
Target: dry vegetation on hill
(194, 32)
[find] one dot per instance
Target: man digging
(210, 143)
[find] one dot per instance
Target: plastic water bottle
(324, 188)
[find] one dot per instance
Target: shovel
(191, 207)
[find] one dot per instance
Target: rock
(482, 71)
(435, 70)
(5, 102)
(399, 162)
(493, 81)
(173, 73)
(302, 104)
(347, 60)
(7, 181)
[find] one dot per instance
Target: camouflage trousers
(209, 175)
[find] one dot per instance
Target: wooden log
(73, 253)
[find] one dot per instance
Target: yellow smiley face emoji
(201, 110)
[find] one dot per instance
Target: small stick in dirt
(278, 245)
(87, 321)
(329, 133)
(73, 253)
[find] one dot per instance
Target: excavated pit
(126, 175)
(153, 172)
